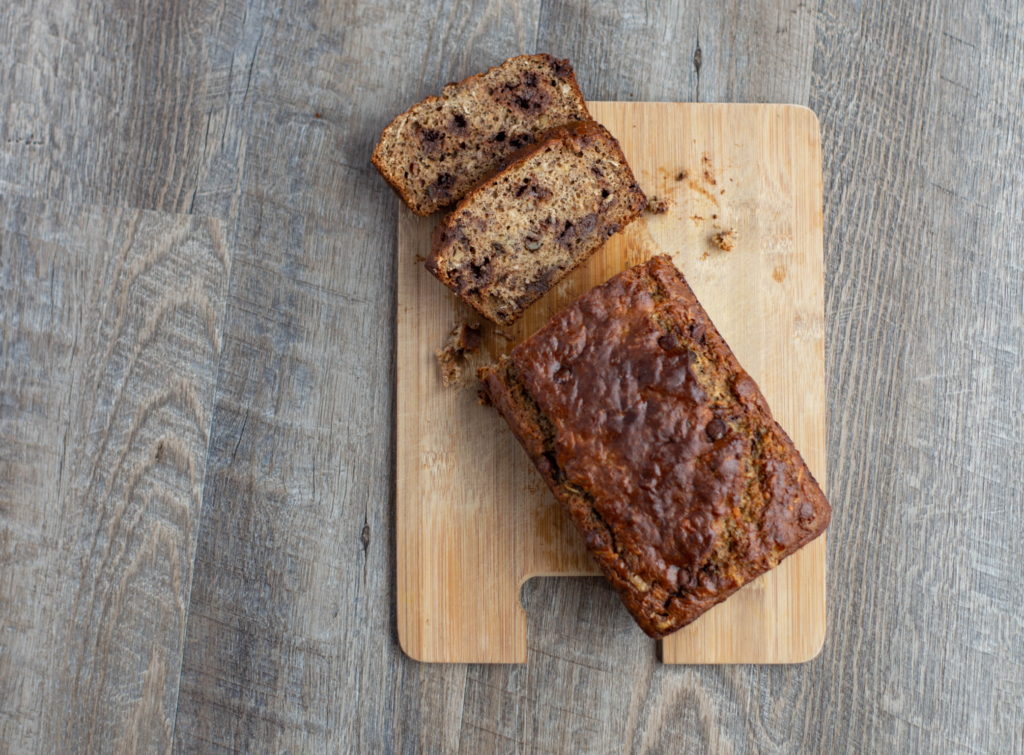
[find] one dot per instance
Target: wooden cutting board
(475, 521)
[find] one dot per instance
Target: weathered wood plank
(293, 608)
(109, 330)
(684, 51)
(113, 106)
(921, 105)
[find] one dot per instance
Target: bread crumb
(451, 367)
(726, 240)
(503, 334)
(697, 219)
(708, 175)
(451, 358)
(469, 337)
(657, 205)
(682, 175)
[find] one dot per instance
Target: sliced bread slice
(437, 150)
(522, 230)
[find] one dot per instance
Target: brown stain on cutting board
(703, 191)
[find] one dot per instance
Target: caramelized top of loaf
(521, 231)
(659, 445)
(433, 153)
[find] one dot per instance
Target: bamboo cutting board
(475, 521)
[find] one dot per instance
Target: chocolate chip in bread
(437, 150)
(521, 231)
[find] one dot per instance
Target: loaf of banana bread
(521, 231)
(438, 149)
(659, 446)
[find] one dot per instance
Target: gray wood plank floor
(196, 334)
(111, 325)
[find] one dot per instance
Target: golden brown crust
(393, 182)
(659, 446)
(396, 181)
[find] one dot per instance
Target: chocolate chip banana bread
(521, 231)
(658, 445)
(438, 149)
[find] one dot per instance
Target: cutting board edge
(416, 648)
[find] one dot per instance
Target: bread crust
(658, 445)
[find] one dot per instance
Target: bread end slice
(437, 150)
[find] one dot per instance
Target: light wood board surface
(474, 520)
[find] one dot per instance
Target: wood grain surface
(263, 115)
(473, 519)
(109, 331)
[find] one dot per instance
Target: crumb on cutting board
(725, 240)
(451, 358)
(682, 175)
(709, 177)
(657, 205)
